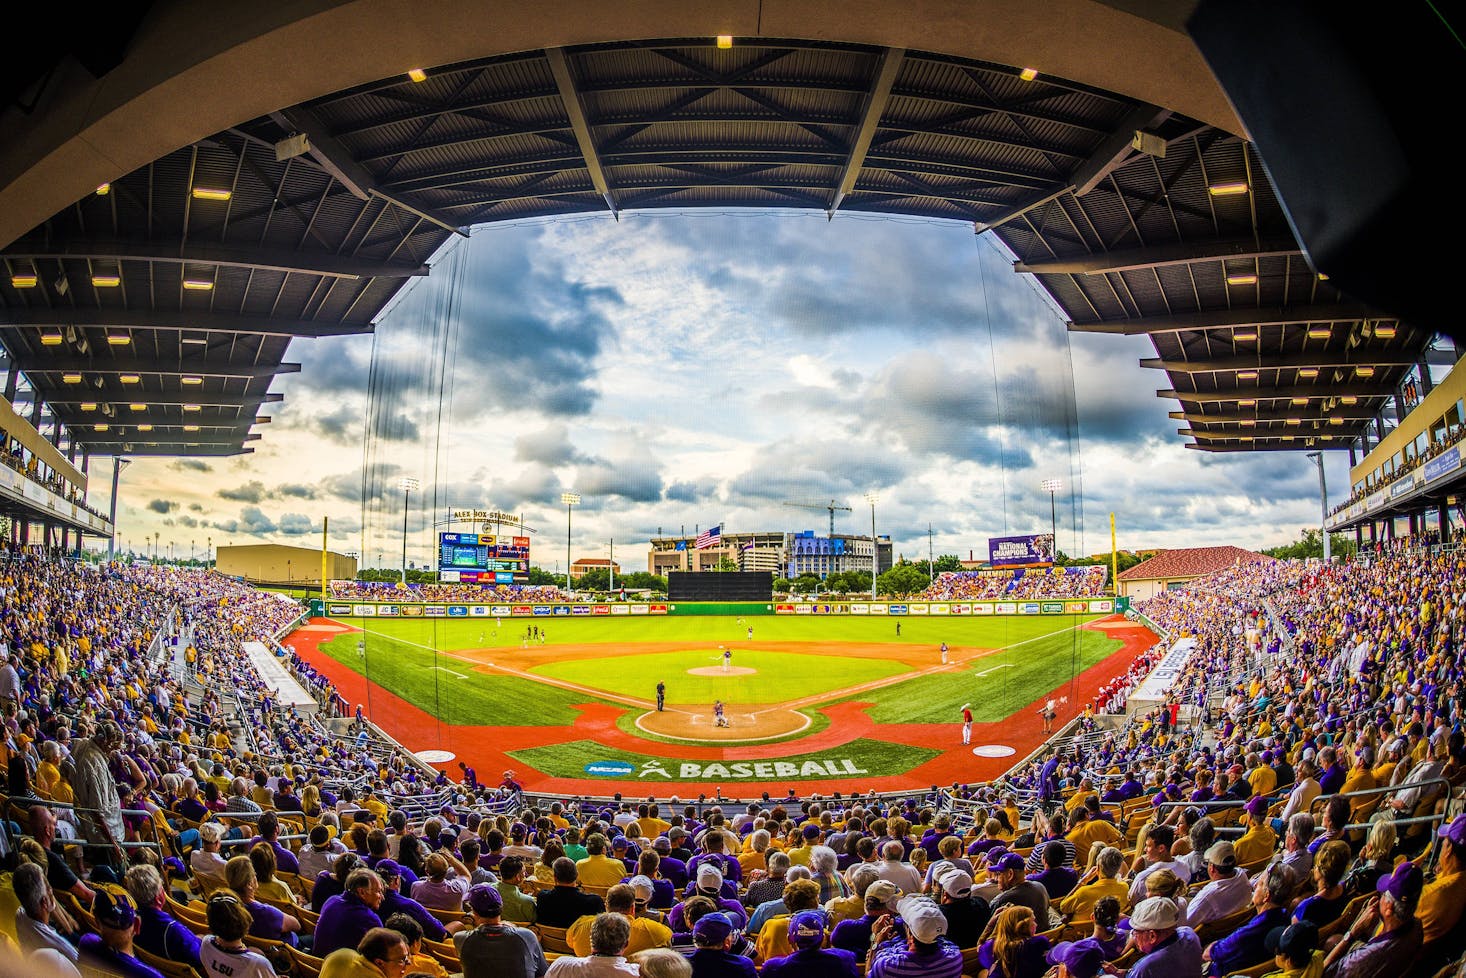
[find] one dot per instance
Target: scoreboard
(483, 558)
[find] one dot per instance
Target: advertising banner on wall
(1031, 550)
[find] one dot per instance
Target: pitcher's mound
(744, 723)
(720, 671)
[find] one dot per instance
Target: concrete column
(35, 409)
(12, 378)
(1443, 517)
(1426, 386)
(1353, 458)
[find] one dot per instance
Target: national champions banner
(1025, 551)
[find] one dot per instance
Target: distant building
(273, 563)
(1170, 570)
(584, 565)
(785, 554)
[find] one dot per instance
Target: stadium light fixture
(1320, 332)
(417, 75)
(100, 426)
(1248, 337)
(52, 338)
(725, 41)
(212, 193)
(1308, 373)
(570, 499)
(190, 427)
(144, 427)
(130, 379)
(25, 277)
(71, 378)
(1242, 278)
(1349, 399)
(1384, 332)
(106, 280)
(875, 550)
(1230, 189)
(1364, 370)
(1247, 402)
(118, 339)
(198, 284)
(103, 189)
(89, 405)
(1052, 486)
(1028, 74)
(1247, 375)
(1300, 400)
(191, 380)
(408, 484)
(137, 406)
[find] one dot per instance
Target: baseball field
(814, 703)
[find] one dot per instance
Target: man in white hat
(1228, 892)
(1167, 949)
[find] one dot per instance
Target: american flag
(710, 537)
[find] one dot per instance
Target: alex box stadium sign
(736, 771)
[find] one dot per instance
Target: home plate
(436, 756)
(993, 750)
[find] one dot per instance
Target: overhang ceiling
(223, 253)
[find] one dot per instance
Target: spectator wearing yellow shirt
(1079, 904)
(1442, 900)
(650, 821)
(621, 899)
(1259, 841)
(598, 869)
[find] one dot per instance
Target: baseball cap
(713, 927)
(387, 869)
(807, 928)
(1083, 958)
(1404, 884)
(957, 883)
(941, 868)
(925, 920)
(884, 891)
(995, 855)
(1222, 854)
(1294, 941)
(1256, 806)
(810, 831)
(1012, 862)
(1454, 830)
(1154, 913)
(113, 908)
(643, 887)
(709, 878)
(484, 900)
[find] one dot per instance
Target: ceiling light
(130, 378)
(1028, 74)
(71, 378)
(1322, 277)
(212, 193)
(1245, 438)
(137, 406)
(417, 74)
(1287, 438)
(1247, 402)
(1308, 373)
(1248, 423)
(1244, 337)
(52, 339)
(195, 339)
(1336, 420)
(103, 189)
(1385, 332)
(725, 41)
(1300, 400)
(192, 407)
(118, 339)
(89, 405)
(106, 281)
(144, 427)
(24, 280)
(190, 427)
(1293, 422)
(192, 380)
(1242, 278)
(1364, 370)
(1320, 332)
(1247, 375)
(100, 426)
(1349, 399)
(198, 284)
(1229, 189)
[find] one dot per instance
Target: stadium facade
(786, 553)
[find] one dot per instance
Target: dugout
(720, 586)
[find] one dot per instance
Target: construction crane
(832, 506)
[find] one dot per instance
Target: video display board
(1031, 550)
(483, 558)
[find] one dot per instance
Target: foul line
(788, 705)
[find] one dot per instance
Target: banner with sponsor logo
(940, 609)
(895, 609)
(1053, 607)
(522, 609)
(803, 609)
(1447, 461)
(1028, 608)
(435, 610)
(860, 609)
(559, 609)
(1076, 607)
(412, 611)
(338, 609)
(621, 609)
(962, 609)
(918, 609)
(879, 609)
(457, 611)
(1105, 606)
(658, 609)
(601, 609)
(1030, 550)
(364, 610)
(784, 609)
(387, 611)
(640, 609)
(1004, 608)
(580, 609)
(542, 611)
(668, 769)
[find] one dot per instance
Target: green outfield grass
(1014, 678)
(453, 634)
(859, 758)
(445, 688)
(781, 676)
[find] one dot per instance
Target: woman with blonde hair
(266, 922)
(1015, 950)
(544, 869)
(262, 858)
(1376, 859)
(1165, 883)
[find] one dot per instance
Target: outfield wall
(384, 609)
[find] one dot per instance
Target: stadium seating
(1307, 683)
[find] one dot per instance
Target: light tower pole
(117, 466)
(1323, 495)
(875, 550)
(570, 499)
(407, 485)
(1052, 486)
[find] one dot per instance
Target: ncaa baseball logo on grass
(740, 770)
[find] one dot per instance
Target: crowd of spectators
(1226, 838)
(469, 593)
(1021, 584)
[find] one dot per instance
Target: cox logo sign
(609, 769)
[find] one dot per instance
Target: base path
(488, 748)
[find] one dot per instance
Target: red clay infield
(487, 749)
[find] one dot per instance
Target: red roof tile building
(1172, 568)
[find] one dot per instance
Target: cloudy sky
(696, 368)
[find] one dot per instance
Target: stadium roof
(173, 292)
(1188, 562)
